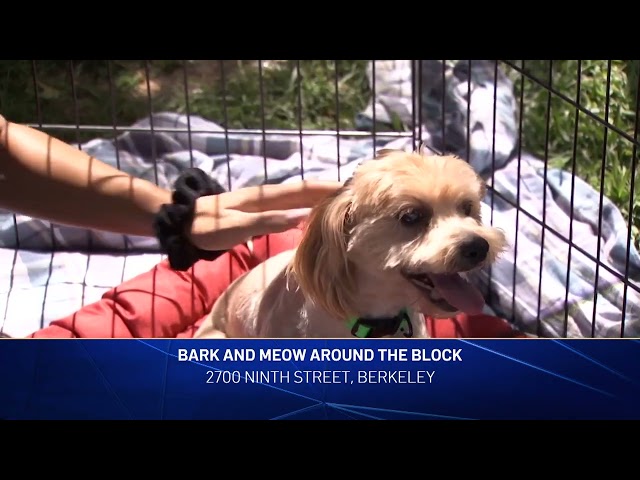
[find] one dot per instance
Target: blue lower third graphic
(320, 379)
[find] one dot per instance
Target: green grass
(590, 146)
(231, 95)
(236, 103)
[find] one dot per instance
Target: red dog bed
(163, 303)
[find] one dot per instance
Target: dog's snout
(473, 250)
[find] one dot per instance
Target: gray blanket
(528, 287)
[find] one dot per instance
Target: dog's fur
(355, 248)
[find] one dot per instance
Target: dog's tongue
(458, 292)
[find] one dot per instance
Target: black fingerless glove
(174, 220)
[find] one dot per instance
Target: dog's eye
(412, 216)
(466, 208)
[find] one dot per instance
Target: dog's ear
(320, 265)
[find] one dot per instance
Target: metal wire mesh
(573, 105)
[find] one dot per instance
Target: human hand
(228, 219)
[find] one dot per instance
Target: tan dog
(393, 240)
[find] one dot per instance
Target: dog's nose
(473, 250)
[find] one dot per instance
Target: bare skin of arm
(45, 178)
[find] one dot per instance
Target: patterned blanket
(49, 271)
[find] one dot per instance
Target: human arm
(43, 177)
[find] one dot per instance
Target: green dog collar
(381, 327)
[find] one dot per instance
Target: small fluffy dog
(386, 249)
